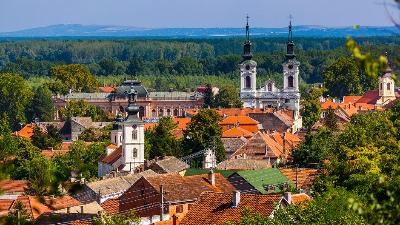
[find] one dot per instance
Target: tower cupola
(247, 55)
(290, 45)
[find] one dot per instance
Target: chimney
(68, 209)
(235, 198)
(145, 164)
(81, 208)
(211, 177)
(288, 197)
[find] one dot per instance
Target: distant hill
(78, 30)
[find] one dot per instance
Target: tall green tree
(44, 139)
(311, 111)
(82, 108)
(331, 120)
(208, 97)
(14, 98)
(75, 77)
(162, 139)
(203, 131)
(228, 97)
(41, 106)
(22, 219)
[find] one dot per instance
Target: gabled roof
(34, 207)
(113, 156)
(261, 179)
(242, 120)
(231, 145)
(111, 206)
(26, 131)
(50, 153)
(305, 176)
(260, 146)
(10, 186)
(237, 132)
(237, 111)
(180, 188)
(5, 206)
(348, 109)
(84, 121)
(170, 164)
(328, 103)
(369, 97)
(216, 208)
(116, 184)
(351, 99)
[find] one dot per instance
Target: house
(12, 187)
(263, 181)
(232, 144)
(107, 188)
(219, 208)
(243, 164)
(278, 120)
(303, 178)
(243, 122)
(174, 192)
(5, 206)
(166, 164)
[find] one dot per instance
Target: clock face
(247, 67)
(134, 126)
(290, 66)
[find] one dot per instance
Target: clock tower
(132, 135)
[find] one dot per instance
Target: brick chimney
(211, 177)
(235, 198)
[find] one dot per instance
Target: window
(134, 152)
(269, 87)
(160, 113)
(153, 113)
(388, 86)
(290, 81)
(175, 112)
(134, 134)
(168, 112)
(247, 82)
(115, 139)
(179, 209)
(381, 86)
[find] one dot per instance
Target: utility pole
(161, 203)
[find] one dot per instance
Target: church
(270, 96)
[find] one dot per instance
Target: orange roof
(50, 153)
(237, 111)
(181, 122)
(61, 202)
(305, 177)
(369, 97)
(238, 120)
(348, 109)
(149, 126)
(216, 208)
(5, 206)
(364, 106)
(10, 186)
(237, 132)
(26, 131)
(351, 99)
(111, 205)
(113, 156)
(33, 206)
(328, 103)
(107, 89)
(112, 146)
(297, 198)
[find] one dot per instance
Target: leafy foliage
(41, 106)
(75, 77)
(118, 219)
(48, 138)
(311, 110)
(82, 108)
(228, 97)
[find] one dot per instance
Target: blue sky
(24, 14)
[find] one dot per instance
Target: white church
(270, 96)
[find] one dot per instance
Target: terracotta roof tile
(348, 109)
(50, 153)
(328, 103)
(33, 206)
(305, 176)
(10, 186)
(297, 198)
(216, 208)
(369, 97)
(237, 132)
(61, 202)
(351, 99)
(107, 89)
(243, 164)
(5, 206)
(26, 131)
(242, 120)
(111, 205)
(112, 146)
(237, 111)
(181, 122)
(113, 156)
(180, 188)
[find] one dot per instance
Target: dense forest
(161, 63)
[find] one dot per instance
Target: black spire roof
(388, 70)
(132, 109)
(247, 45)
(290, 45)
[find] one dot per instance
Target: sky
(24, 14)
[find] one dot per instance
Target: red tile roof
(113, 156)
(297, 198)
(351, 99)
(26, 131)
(10, 186)
(50, 153)
(5, 206)
(237, 132)
(216, 208)
(181, 122)
(33, 206)
(305, 176)
(61, 202)
(107, 89)
(111, 205)
(328, 103)
(369, 97)
(242, 120)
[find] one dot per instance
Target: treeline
(181, 57)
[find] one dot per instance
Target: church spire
(247, 45)
(290, 45)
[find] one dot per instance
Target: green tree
(208, 97)
(311, 110)
(202, 132)
(75, 77)
(22, 219)
(135, 67)
(40, 174)
(82, 108)
(117, 219)
(41, 106)
(44, 139)
(331, 120)
(14, 97)
(162, 139)
(228, 97)
(102, 134)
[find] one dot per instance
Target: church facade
(270, 96)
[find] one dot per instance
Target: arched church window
(290, 81)
(160, 113)
(168, 112)
(176, 112)
(134, 134)
(134, 152)
(247, 82)
(153, 113)
(388, 86)
(269, 87)
(141, 112)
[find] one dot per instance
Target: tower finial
(247, 29)
(290, 37)
(247, 45)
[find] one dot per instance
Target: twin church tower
(269, 96)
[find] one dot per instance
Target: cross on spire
(290, 37)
